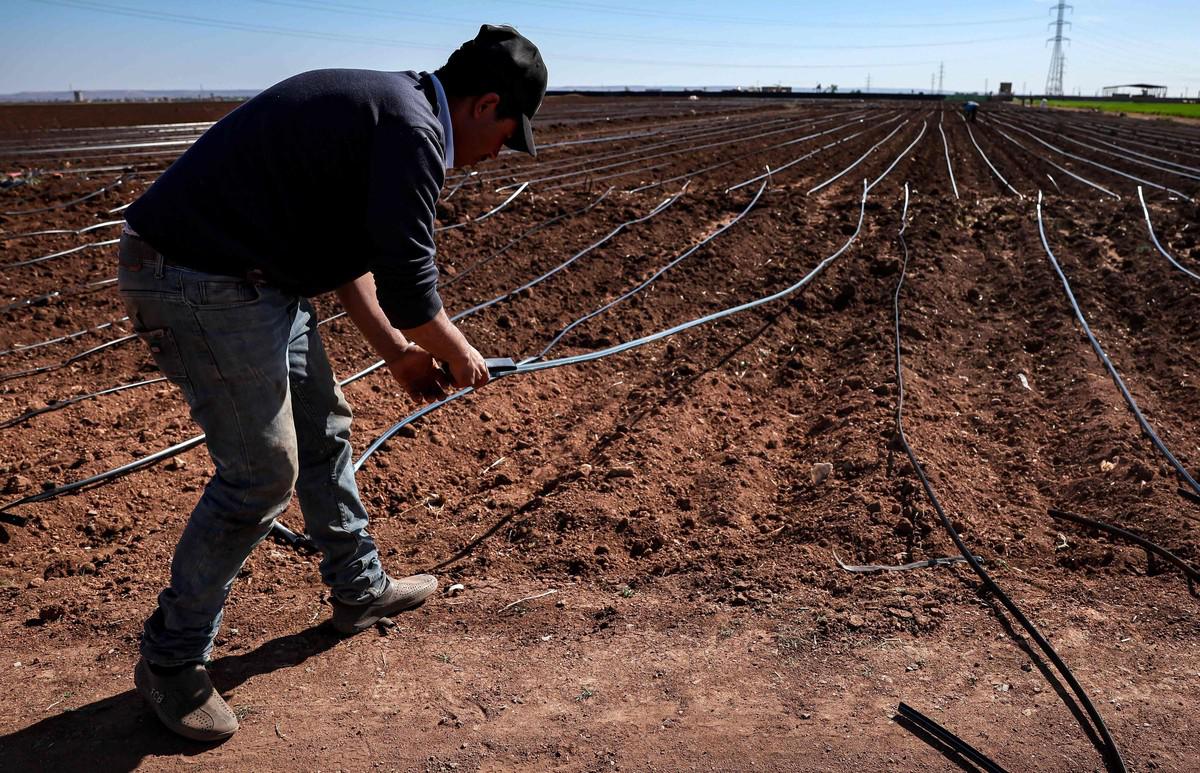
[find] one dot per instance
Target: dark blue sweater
(315, 181)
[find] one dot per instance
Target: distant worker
(970, 109)
(1045, 103)
(324, 182)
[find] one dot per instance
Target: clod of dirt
(620, 471)
(17, 483)
(821, 471)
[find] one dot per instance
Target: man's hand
(419, 374)
(470, 369)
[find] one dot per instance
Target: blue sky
(249, 44)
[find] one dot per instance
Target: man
(326, 181)
(971, 108)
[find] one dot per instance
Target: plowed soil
(665, 515)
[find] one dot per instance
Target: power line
(775, 22)
(312, 34)
(366, 11)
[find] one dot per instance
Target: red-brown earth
(699, 620)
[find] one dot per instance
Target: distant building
(1147, 91)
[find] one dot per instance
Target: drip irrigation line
(60, 404)
(531, 364)
(1153, 238)
(1096, 164)
(121, 208)
(166, 453)
(1100, 138)
(1123, 156)
(899, 158)
(63, 338)
(665, 154)
(38, 300)
(1057, 166)
(748, 154)
(1110, 751)
(949, 168)
(925, 724)
(61, 253)
(988, 161)
(487, 214)
(770, 173)
(545, 223)
(565, 264)
(63, 205)
(653, 277)
(69, 361)
(66, 151)
(62, 231)
(860, 159)
(926, 564)
(1055, 182)
(1184, 475)
(692, 135)
(1190, 573)
(190, 443)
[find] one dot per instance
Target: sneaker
(397, 596)
(186, 702)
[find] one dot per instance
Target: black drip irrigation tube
(63, 205)
(756, 152)
(20, 348)
(1183, 474)
(524, 366)
(1123, 156)
(1057, 166)
(949, 168)
(186, 445)
(1190, 573)
(70, 360)
(303, 543)
(1112, 755)
(929, 730)
(60, 404)
(44, 298)
(988, 161)
(1096, 164)
(59, 254)
(61, 231)
(1153, 238)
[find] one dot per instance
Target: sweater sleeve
(406, 176)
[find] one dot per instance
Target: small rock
(455, 589)
(856, 621)
(585, 470)
(36, 582)
(620, 471)
(17, 483)
(821, 471)
(408, 431)
(1107, 466)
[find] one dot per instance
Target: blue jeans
(250, 363)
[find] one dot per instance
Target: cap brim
(522, 138)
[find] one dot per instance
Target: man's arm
(413, 363)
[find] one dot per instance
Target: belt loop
(158, 265)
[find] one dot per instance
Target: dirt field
(673, 498)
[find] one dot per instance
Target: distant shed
(1146, 89)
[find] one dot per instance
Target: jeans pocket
(227, 293)
(167, 357)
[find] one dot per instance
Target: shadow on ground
(119, 732)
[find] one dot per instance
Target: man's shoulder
(399, 96)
